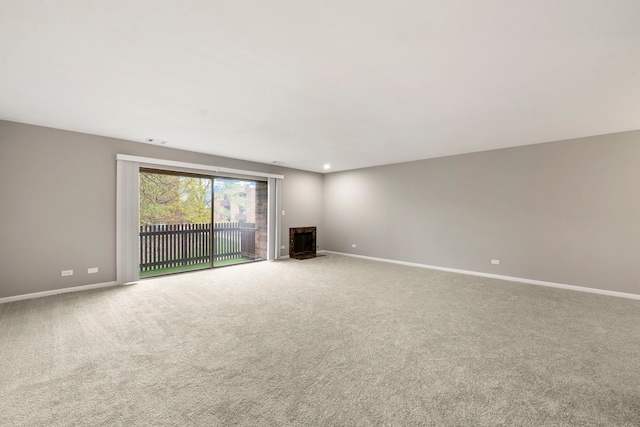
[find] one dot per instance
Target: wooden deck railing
(165, 246)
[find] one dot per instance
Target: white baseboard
(498, 276)
(411, 264)
(56, 292)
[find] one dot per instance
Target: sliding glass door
(191, 222)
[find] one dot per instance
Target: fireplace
(302, 242)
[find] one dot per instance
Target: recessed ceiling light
(327, 166)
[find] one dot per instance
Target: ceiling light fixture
(327, 166)
(155, 141)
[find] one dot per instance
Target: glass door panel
(240, 221)
(175, 223)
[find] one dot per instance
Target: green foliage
(171, 199)
(159, 197)
(196, 208)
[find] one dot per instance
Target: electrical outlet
(282, 247)
(92, 270)
(283, 212)
(67, 272)
(353, 245)
(495, 261)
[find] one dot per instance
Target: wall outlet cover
(67, 272)
(92, 270)
(495, 261)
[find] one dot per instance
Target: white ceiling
(351, 83)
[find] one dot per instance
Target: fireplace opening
(302, 242)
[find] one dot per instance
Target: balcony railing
(167, 247)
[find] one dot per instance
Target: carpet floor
(330, 341)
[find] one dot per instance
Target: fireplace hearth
(302, 242)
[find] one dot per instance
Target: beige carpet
(331, 341)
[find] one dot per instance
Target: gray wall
(58, 204)
(565, 212)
